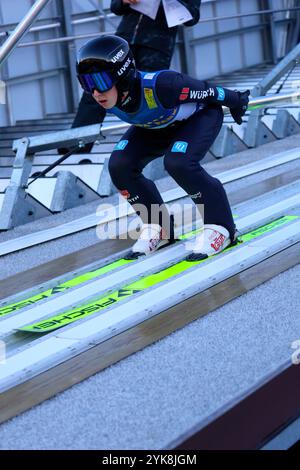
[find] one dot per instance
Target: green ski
(74, 282)
(103, 302)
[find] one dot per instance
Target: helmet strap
(124, 85)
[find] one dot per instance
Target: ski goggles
(101, 81)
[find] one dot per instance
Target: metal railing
(34, 29)
(21, 29)
(82, 135)
(26, 148)
(277, 72)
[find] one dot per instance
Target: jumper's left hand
(238, 112)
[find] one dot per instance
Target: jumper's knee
(179, 168)
(120, 170)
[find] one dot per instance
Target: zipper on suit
(137, 27)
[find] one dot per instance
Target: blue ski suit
(178, 118)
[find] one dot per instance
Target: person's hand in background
(130, 2)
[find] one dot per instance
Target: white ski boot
(152, 238)
(212, 240)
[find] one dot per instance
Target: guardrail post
(285, 124)
(227, 143)
(23, 163)
(257, 132)
(273, 38)
(70, 191)
(18, 206)
(69, 49)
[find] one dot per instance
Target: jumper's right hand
(238, 112)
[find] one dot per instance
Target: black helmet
(104, 62)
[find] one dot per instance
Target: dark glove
(238, 112)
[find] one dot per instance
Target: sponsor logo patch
(121, 145)
(133, 199)
(126, 101)
(124, 67)
(149, 96)
(179, 147)
(184, 94)
(196, 196)
(221, 93)
(149, 76)
(218, 242)
(118, 56)
(201, 94)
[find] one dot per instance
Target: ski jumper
(179, 118)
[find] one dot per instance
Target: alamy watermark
(296, 355)
(2, 352)
(2, 92)
(116, 221)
